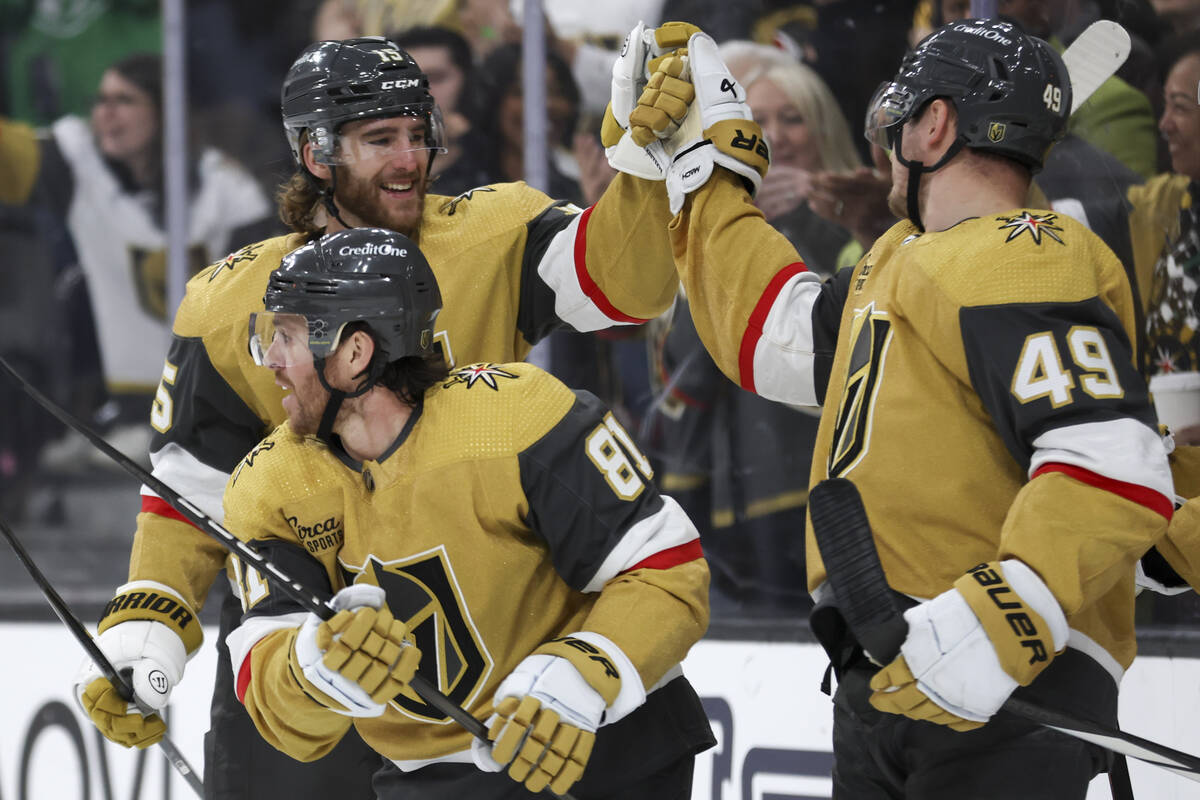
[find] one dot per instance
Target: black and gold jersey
(982, 394)
(510, 511)
(512, 265)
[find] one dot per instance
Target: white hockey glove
(548, 710)
(969, 648)
(360, 659)
(731, 138)
(640, 55)
(147, 632)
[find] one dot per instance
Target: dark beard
(357, 196)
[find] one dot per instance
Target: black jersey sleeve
(1041, 366)
(536, 318)
(591, 497)
(201, 413)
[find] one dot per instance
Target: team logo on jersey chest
(1033, 224)
(423, 592)
(478, 373)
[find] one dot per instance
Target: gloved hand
(640, 56)
(360, 659)
(969, 648)
(731, 138)
(147, 633)
(547, 713)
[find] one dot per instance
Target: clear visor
(286, 340)
(889, 108)
(384, 140)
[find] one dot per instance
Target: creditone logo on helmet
(987, 33)
(370, 249)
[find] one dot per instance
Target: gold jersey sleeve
(498, 522)
(20, 162)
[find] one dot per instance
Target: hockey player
(979, 387)
(512, 265)
(486, 523)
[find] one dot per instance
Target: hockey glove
(548, 710)
(147, 632)
(968, 648)
(731, 138)
(640, 56)
(360, 659)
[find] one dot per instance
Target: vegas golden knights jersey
(978, 385)
(512, 265)
(509, 511)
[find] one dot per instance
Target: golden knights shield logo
(423, 592)
(996, 131)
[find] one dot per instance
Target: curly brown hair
(299, 199)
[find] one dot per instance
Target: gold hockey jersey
(512, 265)
(509, 511)
(979, 388)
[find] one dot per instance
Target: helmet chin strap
(916, 169)
(327, 198)
(336, 396)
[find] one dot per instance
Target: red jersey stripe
(758, 317)
(1130, 491)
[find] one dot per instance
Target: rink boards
(771, 720)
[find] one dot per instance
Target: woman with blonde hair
(807, 133)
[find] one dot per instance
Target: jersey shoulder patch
(1018, 256)
(226, 292)
(490, 407)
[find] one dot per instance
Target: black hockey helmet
(1011, 91)
(370, 275)
(335, 82)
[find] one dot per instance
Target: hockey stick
(308, 598)
(1094, 57)
(869, 607)
(118, 680)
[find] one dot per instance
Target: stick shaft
(841, 527)
(168, 748)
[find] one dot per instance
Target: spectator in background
(501, 141)
(737, 462)
(51, 53)
(1164, 231)
(103, 178)
(445, 57)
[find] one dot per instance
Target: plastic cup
(1176, 398)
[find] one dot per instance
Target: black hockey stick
(119, 681)
(869, 607)
(308, 598)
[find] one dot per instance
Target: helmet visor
(383, 140)
(278, 339)
(889, 109)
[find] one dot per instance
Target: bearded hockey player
(486, 526)
(979, 387)
(512, 265)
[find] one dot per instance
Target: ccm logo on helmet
(407, 83)
(373, 250)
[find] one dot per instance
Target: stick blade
(1094, 56)
(852, 567)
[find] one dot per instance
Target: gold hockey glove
(148, 632)
(548, 710)
(360, 658)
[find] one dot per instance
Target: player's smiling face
(383, 184)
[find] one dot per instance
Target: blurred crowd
(83, 285)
